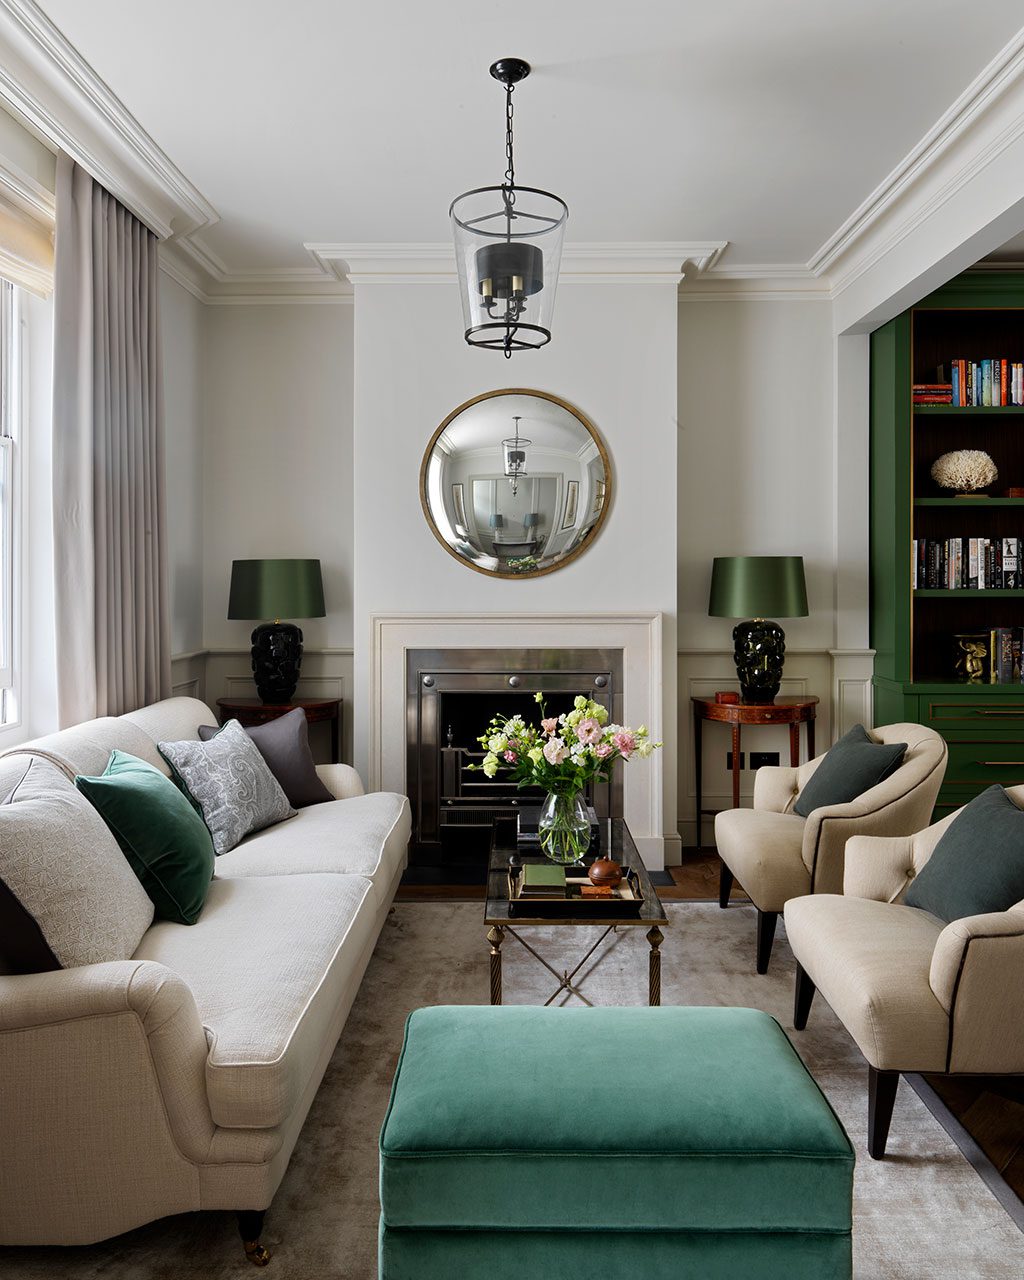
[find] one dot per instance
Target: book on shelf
(991, 382)
(1005, 650)
(965, 564)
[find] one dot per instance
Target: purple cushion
(284, 745)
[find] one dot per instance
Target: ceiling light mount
(508, 246)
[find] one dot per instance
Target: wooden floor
(991, 1109)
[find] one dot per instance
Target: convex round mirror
(515, 483)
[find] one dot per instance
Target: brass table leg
(655, 937)
(495, 936)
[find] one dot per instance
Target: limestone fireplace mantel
(637, 635)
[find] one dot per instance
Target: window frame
(11, 604)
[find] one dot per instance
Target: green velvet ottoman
(568, 1144)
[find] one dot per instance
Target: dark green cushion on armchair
(978, 864)
(166, 842)
(854, 765)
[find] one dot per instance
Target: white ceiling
(760, 122)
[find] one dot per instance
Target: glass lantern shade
(508, 246)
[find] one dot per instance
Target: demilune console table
(791, 711)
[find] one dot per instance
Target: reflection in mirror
(515, 483)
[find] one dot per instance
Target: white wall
(278, 455)
(757, 476)
(613, 355)
(182, 326)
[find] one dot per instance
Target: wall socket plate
(758, 759)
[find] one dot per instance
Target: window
(8, 499)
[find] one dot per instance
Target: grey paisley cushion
(230, 783)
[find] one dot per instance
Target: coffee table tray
(626, 899)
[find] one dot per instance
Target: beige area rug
(921, 1214)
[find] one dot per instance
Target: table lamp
(753, 587)
(276, 589)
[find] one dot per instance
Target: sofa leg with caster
(250, 1228)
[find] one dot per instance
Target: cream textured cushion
(365, 835)
(61, 863)
(268, 962)
(230, 782)
(871, 962)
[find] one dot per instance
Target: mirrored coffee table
(503, 920)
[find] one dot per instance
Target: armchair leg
(250, 1228)
(802, 998)
(766, 922)
(882, 1087)
(724, 886)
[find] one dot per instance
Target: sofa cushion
(273, 966)
(165, 841)
(230, 783)
(494, 1123)
(364, 835)
(64, 875)
(871, 961)
(978, 864)
(284, 744)
(764, 851)
(854, 765)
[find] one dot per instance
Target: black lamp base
(276, 659)
(759, 653)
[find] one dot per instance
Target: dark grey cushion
(854, 765)
(978, 864)
(284, 745)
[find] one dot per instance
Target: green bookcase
(978, 315)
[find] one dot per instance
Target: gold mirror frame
(592, 533)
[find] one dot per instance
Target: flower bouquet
(562, 755)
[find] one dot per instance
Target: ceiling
(764, 124)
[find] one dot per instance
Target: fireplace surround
(451, 695)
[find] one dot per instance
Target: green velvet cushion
(978, 864)
(617, 1119)
(854, 765)
(614, 1255)
(164, 839)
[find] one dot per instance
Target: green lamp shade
(758, 587)
(276, 589)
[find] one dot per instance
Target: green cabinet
(978, 315)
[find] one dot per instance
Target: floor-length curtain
(112, 617)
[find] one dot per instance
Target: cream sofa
(180, 1079)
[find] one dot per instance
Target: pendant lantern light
(508, 245)
(514, 452)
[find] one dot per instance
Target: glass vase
(564, 827)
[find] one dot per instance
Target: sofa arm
(977, 975)
(69, 1011)
(341, 780)
(878, 867)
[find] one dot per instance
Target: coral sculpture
(965, 470)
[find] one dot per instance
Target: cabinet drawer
(982, 763)
(957, 712)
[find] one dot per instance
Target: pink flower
(588, 731)
(624, 743)
(510, 757)
(549, 726)
(555, 751)
(603, 750)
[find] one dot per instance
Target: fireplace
(451, 695)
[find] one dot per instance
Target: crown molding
(757, 282)
(974, 132)
(624, 262)
(46, 81)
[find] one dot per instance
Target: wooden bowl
(605, 872)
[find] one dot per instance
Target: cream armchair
(915, 994)
(776, 854)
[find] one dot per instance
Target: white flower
(644, 748)
(498, 743)
(555, 751)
